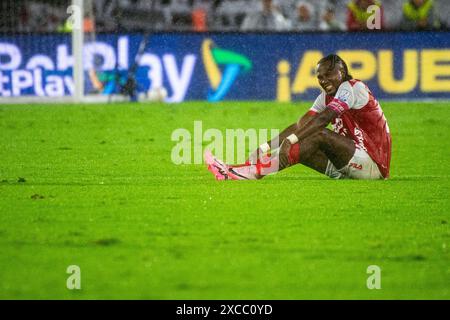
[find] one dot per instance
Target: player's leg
(317, 161)
(331, 154)
(315, 152)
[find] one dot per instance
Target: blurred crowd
(225, 15)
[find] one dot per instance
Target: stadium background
(397, 64)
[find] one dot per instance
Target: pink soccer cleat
(223, 171)
(216, 167)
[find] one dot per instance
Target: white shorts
(360, 166)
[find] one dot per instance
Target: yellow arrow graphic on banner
(212, 70)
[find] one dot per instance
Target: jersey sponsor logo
(338, 125)
(359, 138)
(356, 166)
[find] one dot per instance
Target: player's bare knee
(323, 135)
(319, 136)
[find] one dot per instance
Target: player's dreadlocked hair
(333, 59)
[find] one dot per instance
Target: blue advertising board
(232, 66)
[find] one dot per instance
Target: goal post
(77, 18)
(41, 58)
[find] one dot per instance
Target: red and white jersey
(360, 117)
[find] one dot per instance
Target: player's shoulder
(354, 84)
(320, 103)
(354, 92)
(359, 85)
(321, 97)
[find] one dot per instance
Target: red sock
(294, 154)
(268, 164)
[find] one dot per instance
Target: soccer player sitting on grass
(359, 147)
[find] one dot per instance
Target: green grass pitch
(99, 190)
